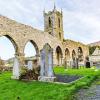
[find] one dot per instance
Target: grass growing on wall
(13, 89)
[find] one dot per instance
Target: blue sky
(81, 18)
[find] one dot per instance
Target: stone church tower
(53, 23)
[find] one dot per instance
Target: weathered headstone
(46, 69)
(30, 65)
(16, 70)
(75, 63)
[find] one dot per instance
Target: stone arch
(13, 42)
(67, 57)
(80, 54)
(16, 61)
(32, 61)
(59, 55)
(34, 44)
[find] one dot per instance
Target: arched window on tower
(50, 24)
(59, 22)
(59, 35)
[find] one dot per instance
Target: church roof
(96, 52)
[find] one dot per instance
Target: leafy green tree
(92, 48)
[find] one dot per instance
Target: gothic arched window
(59, 22)
(59, 35)
(50, 22)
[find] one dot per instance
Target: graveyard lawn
(81, 71)
(34, 90)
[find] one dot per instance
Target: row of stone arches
(59, 53)
(16, 46)
(68, 56)
(11, 44)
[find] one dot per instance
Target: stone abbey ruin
(60, 51)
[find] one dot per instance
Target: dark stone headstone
(87, 64)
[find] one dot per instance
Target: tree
(92, 48)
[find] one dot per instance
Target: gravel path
(93, 93)
(66, 78)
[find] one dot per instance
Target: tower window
(49, 32)
(59, 35)
(50, 22)
(59, 22)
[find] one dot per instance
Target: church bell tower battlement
(53, 23)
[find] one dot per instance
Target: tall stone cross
(46, 69)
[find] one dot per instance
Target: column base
(15, 77)
(46, 79)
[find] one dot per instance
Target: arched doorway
(8, 50)
(59, 55)
(67, 57)
(80, 54)
(31, 52)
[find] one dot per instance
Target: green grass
(11, 89)
(82, 71)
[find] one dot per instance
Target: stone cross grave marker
(46, 69)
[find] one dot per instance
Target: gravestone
(30, 65)
(87, 62)
(46, 69)
(65, 63)
(75, 63)
(16, 70)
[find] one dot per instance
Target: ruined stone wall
(20, 34)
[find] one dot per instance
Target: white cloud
(81, 17)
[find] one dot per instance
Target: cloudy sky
(81, 18)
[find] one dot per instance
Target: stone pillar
(65, 63)
(21, 58)
(54, 59)
(61, 61)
